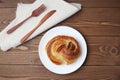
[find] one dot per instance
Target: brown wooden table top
(99, 22)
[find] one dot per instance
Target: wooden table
(99, 22)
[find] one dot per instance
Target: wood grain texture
(39, 72)
(98, 21)
(85, 3)
(97, 49)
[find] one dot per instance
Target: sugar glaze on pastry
(63, 49)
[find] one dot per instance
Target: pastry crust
(63, 49)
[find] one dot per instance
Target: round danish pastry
(63, 49)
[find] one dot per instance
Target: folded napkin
(63, 11)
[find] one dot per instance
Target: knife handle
(48, 15)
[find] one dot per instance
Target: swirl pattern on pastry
(63, 50)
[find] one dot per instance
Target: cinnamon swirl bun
(63, 49)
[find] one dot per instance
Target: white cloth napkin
(63, 11)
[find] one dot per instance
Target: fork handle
(17, 26)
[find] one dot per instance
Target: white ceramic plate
(62, 69)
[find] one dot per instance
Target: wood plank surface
(99, 50)
(99, 23)
(85, 3)
(39, 72)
